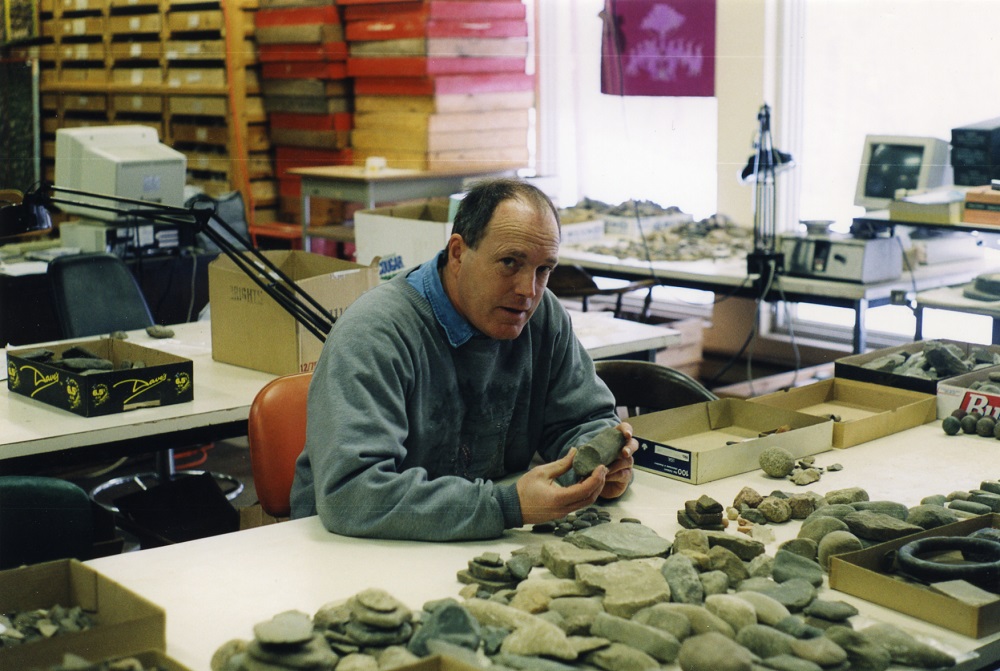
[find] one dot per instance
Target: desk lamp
(761, 169)
(30, 215)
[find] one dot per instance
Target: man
(450, 376)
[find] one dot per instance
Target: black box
(975, 152)
(853, 367)
(165, 378)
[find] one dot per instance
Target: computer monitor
(126, 161)
(892, 162)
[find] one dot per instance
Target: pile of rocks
(40, 623)
(619, 597)
(935, 361)
(73, 662)
(703, 513)
(777, 462)
(582, 519)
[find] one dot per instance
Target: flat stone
(846, 496)
(358, 662)
(619, 657)
(768, 610)
(577, 612)
(970, 507)
(522, 663)
(794, 594)
(653, 641)
(789, 565)
(930, 516)
(789, 663)
(683, 578)
(714, 652)
(862, 653)
(702, 620)
(820, 650)
(313, 653)
(965, 592)
(743, 547)
(520, 566)
(628, 541)
(815, 527)
(629, 586)
(714, 582)
(562, 557)
(834, 611)
(531, 635)
(288, 628)
(449, 622)
(736, 612)
(670, 620)
(906, 650)
(378, 608)
(764, 641)
(729, 563)
(804, 547)
(891, 508)
(878, 526)
(694, 540)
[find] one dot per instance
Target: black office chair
(640, 386)
(43, 519)
(95, 294)
(569, 281)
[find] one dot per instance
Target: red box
(419, 66)
(421, 86)
(416, 25)
(293, 16)
(337, 121)
(304, 70)
(325, 52)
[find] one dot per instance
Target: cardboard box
(414, 231)
(716, 439)
(954, 393)
(582, 232)
(867, 411)
(852, 367)
(859, 573)
(126, 623)
(252, 330)
(166, 379)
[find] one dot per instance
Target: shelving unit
(186, 68)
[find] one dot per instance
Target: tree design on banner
(657, 48)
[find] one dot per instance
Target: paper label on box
(663, 458)
(988, 405)
(390, 265)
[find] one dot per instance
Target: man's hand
(544, 499)
(620, 470)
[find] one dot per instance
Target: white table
(222, 397)
(951, 298)
(729, 276)
(216, 589)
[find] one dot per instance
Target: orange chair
(277, 433)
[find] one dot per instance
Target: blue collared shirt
(427, 281)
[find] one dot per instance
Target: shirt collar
(427, 281)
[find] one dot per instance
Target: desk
(222, 397)
(951, 298)
(729, 276)
(355, 184)
(216, 589)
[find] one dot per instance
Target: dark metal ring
(982, 569)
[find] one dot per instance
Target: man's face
(498, 286)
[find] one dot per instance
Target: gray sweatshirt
(407, 433)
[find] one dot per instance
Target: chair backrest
(94, 294)
(42, 519)
(277, 433)
(642, 386)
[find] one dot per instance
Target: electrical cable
(194, 277)
(791, 334)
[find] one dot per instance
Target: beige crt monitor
(124, 161)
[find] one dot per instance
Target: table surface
(223, 392)
(730, 273)
(216, 589)
(951, 298)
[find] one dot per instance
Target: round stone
(969, 423)
(777, 462)
(288, 628)
(985, 427)
(951, 425)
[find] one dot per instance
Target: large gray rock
(906, 650)
(814, 528)
(628, 541)
(846, 496)
(561, 558)
(835, 543)
(628, 586)
(714, 652)
(863, 653)
(653, 641)
(930, 516)
(769, 611)
(684, 579)
(789, 565)
(620, 657)
(765, 641)
(794, 594)
(738, 613)
(670, 620)
(878, 526)
(740, 545)
(448, 622)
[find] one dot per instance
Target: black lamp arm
(264, 273)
